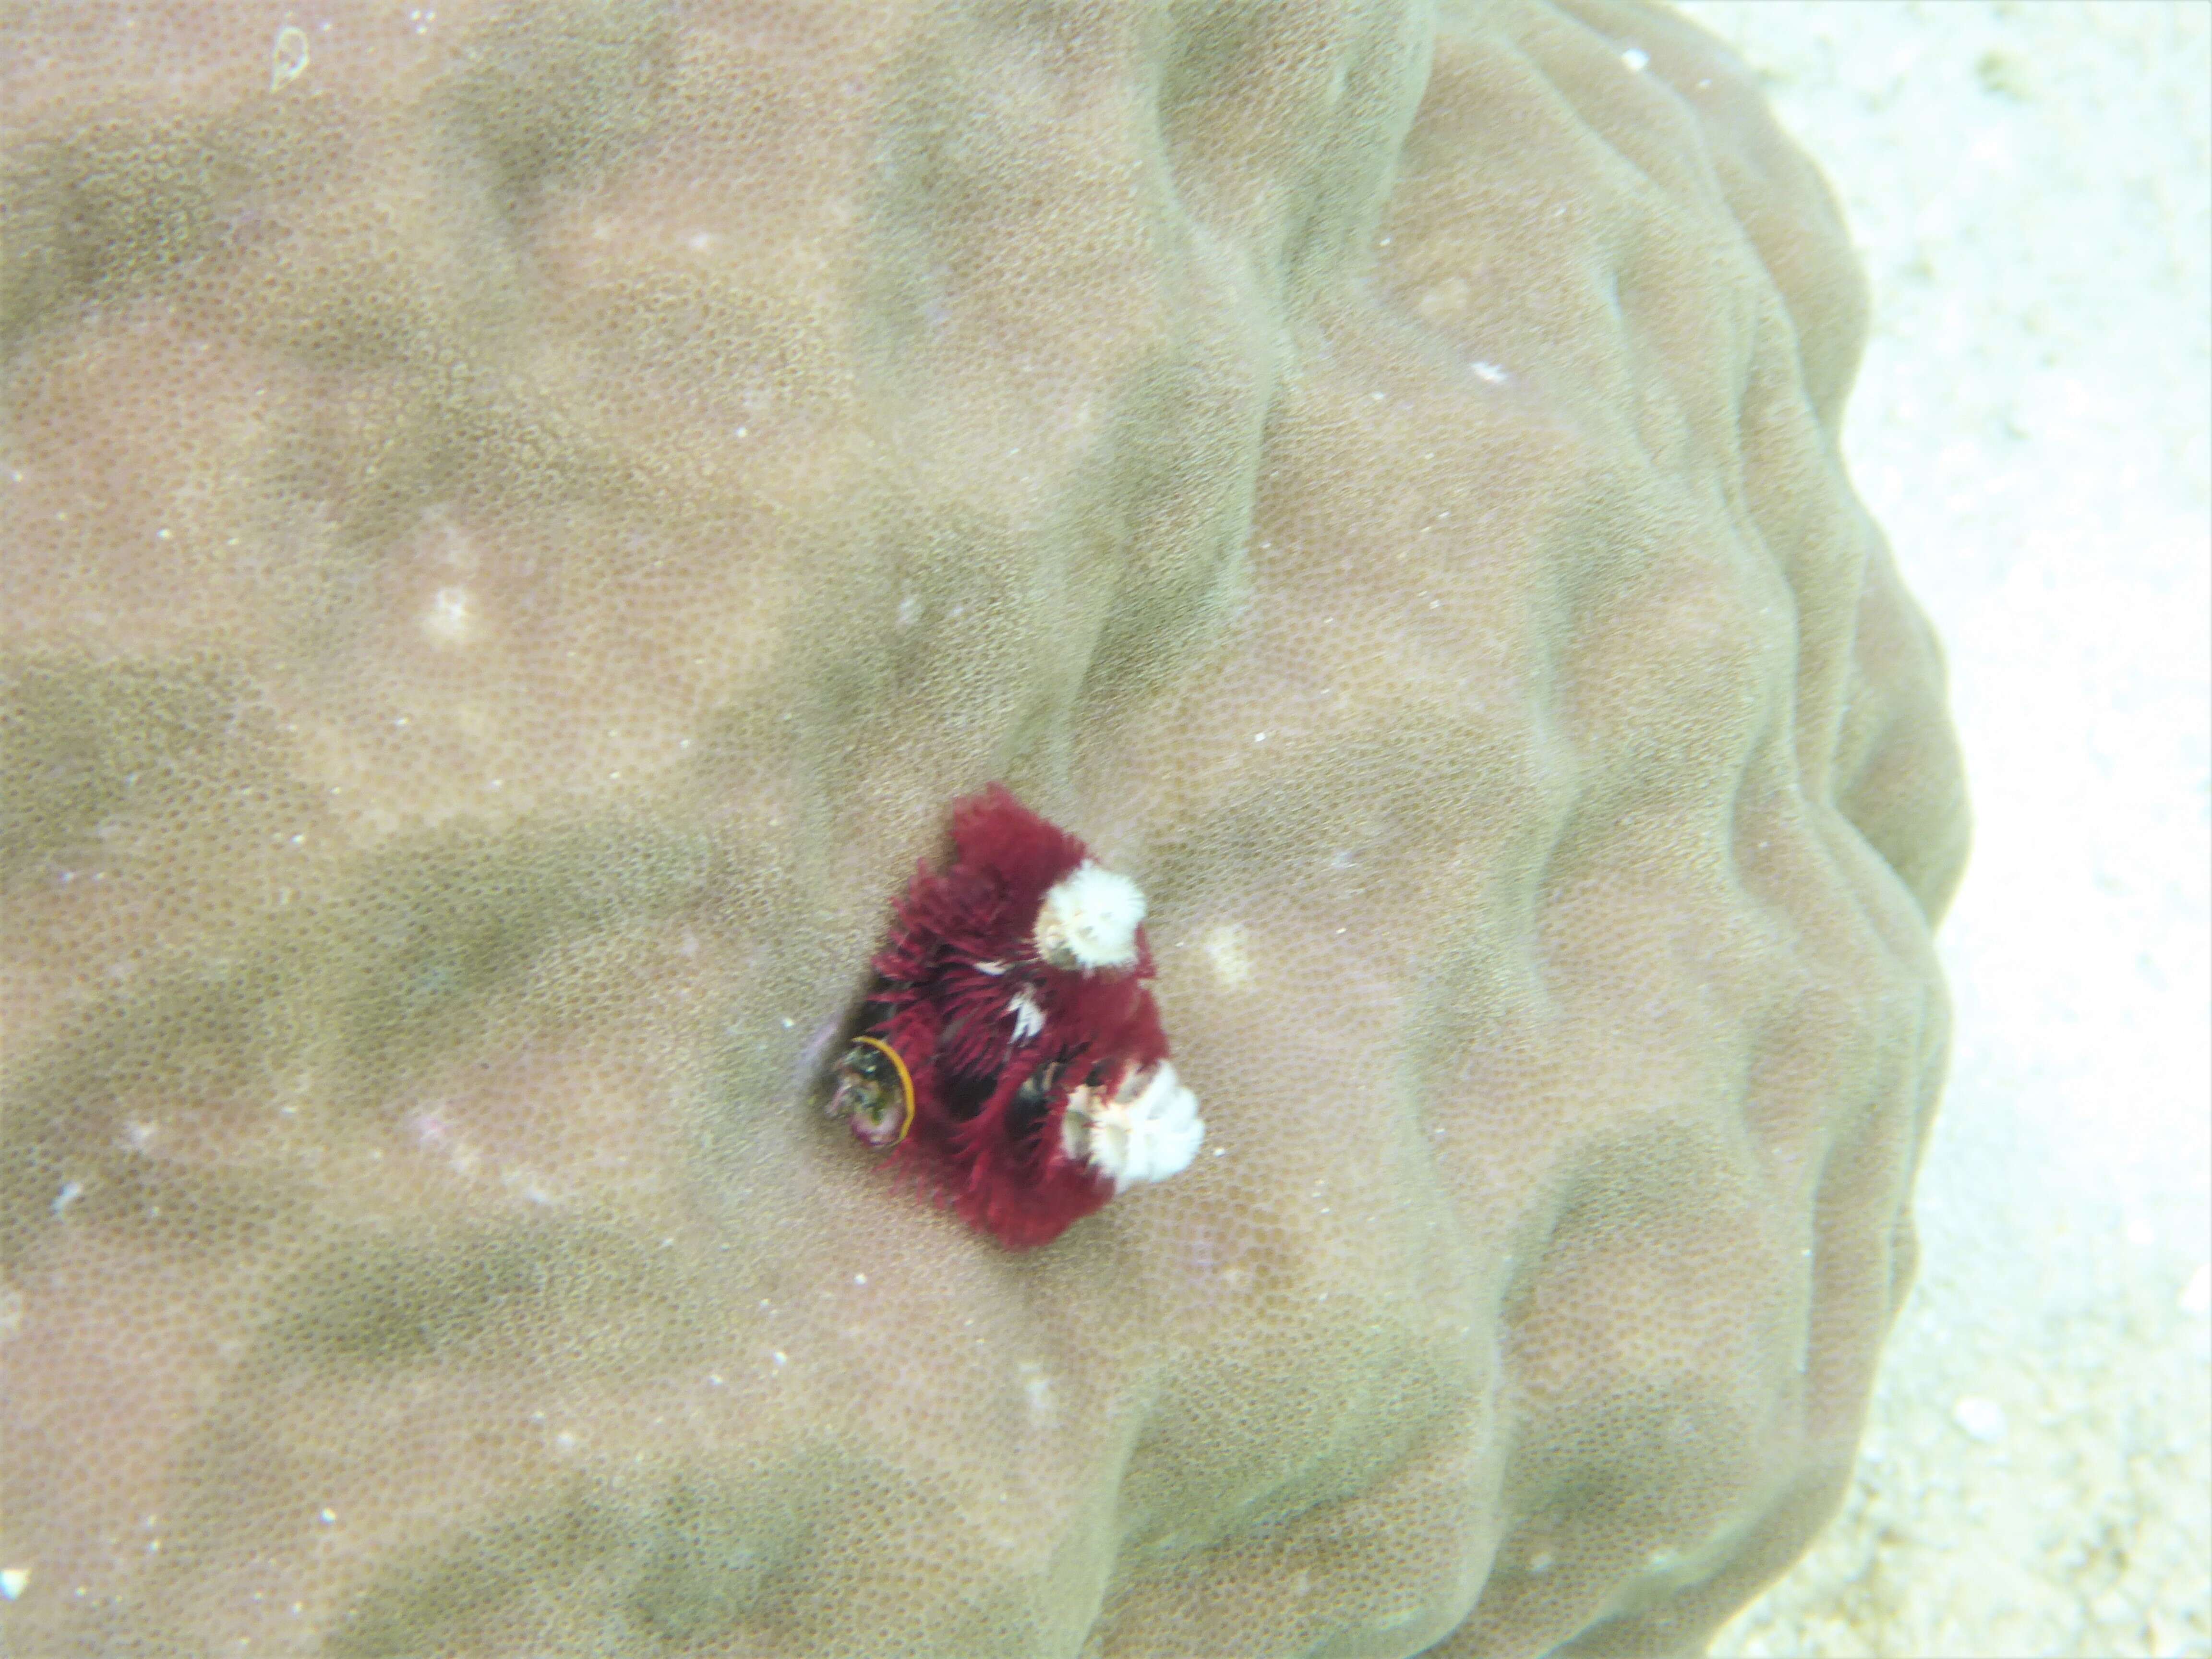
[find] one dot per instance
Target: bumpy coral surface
(520, 521)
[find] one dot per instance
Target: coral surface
(519, 522)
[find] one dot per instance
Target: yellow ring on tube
(905, 1078)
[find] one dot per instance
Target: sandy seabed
(2029, 187)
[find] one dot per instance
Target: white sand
(2029, 186)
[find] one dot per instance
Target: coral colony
(1013, 1054)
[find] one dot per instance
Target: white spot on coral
(1489, 373)
(450, 618)
(329, 1517)
(1028, 1018)
(909, 610)
(13, 1581)
(1037, 1387)
(993, 969)
(1089, 920)
(1224, 948)
(1980, 1419)
(1637, 58)
(1148, 1131)
(287, 59)
(527, 1183)
(2196, 1298)
(71, 1191)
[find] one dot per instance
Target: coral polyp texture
(1014, 1052)
(520, 521)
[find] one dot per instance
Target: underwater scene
(1105, 828)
